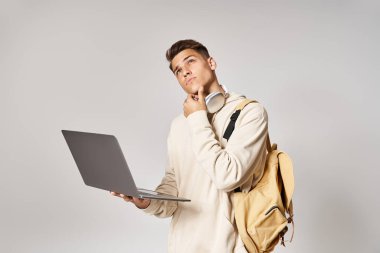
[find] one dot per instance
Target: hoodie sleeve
(163, 208)
(229, 167)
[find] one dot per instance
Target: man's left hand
(194, 103)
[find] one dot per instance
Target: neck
(215, 87)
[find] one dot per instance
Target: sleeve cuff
(152, 207)
(198, 119)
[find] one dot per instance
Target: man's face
(192, 71)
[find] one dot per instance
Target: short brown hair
(182, 45)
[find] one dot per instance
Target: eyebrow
(175, 69)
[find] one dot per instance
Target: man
(203, 166)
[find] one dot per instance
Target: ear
(212, 63)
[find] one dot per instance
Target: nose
(186, 71)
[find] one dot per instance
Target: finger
(126, 198)
(138, 201)
(201, 94)
(115, 194)
(195, 97)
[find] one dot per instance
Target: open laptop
(101, 164)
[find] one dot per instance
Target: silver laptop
(101, 164)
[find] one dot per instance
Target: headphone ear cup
(215, 101)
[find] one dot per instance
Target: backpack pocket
(266, 229)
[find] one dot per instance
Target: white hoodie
(206, 169)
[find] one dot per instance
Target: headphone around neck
(216, 100)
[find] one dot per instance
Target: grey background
(99, 66)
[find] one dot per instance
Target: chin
(194, 89)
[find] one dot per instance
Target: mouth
(189, 80)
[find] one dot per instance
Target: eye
(178, 71)
(191, 60)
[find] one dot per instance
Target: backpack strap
(290, 220)
(231, 126)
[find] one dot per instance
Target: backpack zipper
(272, 208)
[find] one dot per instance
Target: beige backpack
(263, 213)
